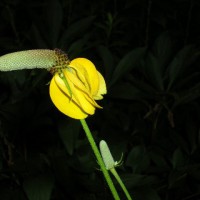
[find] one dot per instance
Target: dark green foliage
(148, 52)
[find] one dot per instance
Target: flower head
(75, 85)
(85, 85)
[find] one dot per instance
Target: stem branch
(115, 174)
(99, 159)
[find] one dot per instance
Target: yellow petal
(63, 102)
(102, 88)
(78, 87)
(78, 97)
(87, 73)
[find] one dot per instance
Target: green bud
(106, 155)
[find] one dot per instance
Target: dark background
(148, 52)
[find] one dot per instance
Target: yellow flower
(76, 94)
(86, 85)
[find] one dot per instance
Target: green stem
(115, 174)
(99, 159)
(94, 146)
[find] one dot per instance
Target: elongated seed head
(37, 58)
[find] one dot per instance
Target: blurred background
(148, 52)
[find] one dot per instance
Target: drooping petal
(87, 73)
(63, 102)
(30, 59)
(102, 88)
(79, 85)
(76, 96)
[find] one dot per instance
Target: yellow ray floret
(86, 85)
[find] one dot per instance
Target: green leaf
(178, 159)
(127, 63)
(159, 160)
(74, 30)
(54, 14)
(193, 130)
(39, 188)
(37, 37)
(179, 140)
(178, 64)
(177, 179)
(154, 71)
(188, 95)
(108, 61)
(77, 46)
(126, 91)
(188, 80)
(138, 159)
(137, 180)
(162, 50)
(146, 193)
(69, 131)
(145, 88)
(194, 171)
(46, 29)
